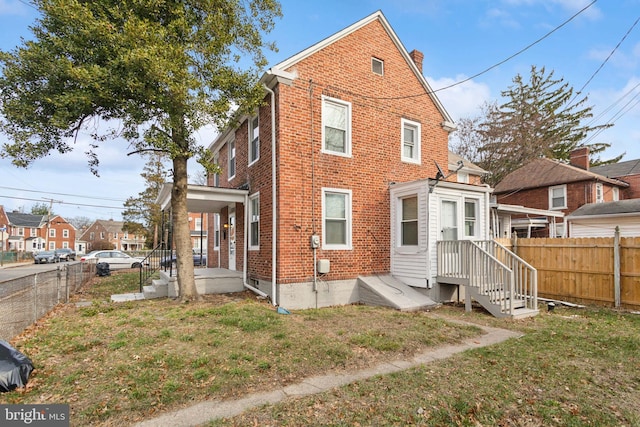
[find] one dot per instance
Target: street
(9, 272)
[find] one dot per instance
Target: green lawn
(122, 363)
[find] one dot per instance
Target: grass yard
(118, 363)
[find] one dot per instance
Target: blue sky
(459, 38)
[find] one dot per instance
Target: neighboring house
(33, 233)
(628, 172)
(111, 231)
(4, 229)
(342, 177)
(465, 171)
(198, 229)
(552, 185)
(602, 219)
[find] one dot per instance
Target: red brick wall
(342, 71)
(633, 192)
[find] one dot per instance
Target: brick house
(344, 173)
(33, 233)
(628, 172)
(111, 231)
(557, 186)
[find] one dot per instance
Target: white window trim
(615, 191)
(252, 137)
(564, 190)
(347, 148)
(349, 219)
(401, 221)
(418, 129)
(599, 192)
(229, 158)
(253, 247)
(216, 176)
(381, 62)
(476, 227)
(216, 231)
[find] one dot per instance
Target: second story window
(20, 231)
(65, 234)
(216, 176)
(558, 197)
(615, 192)
(336, 127)
(410, 141)
(599, 192)
(254, 140)
(232, 159)
(33, 232)
(52, 232)
(102, 235)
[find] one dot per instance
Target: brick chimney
(417, 57)
(580, 158)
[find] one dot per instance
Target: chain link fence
(25, 300)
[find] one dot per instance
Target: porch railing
(491, 269)
(152, 263)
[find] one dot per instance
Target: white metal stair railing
(496, 277)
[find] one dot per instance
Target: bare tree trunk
(182, 238)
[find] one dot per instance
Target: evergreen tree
(142, 214)
(540, 118)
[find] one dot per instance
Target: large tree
(540, 118)
(142, 215)
(153, 71)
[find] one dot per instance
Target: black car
(66, 254)
(197, 260)
(46, 257)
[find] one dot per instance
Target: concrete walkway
(204, 412)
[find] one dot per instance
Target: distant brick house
(557, 186)
(33, 233)
(112, 231)
(628, 171)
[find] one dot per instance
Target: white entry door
(449, 220)
(232, 240)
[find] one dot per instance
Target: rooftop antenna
(441, 176)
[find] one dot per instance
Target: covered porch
(213, 278)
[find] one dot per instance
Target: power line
(63, 194)
(529, 46)
(65, 203)
(605, 61)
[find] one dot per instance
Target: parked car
(198, 260)
(46, 257)
(66, 254)
(115, 259)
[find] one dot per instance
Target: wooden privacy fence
(590, 270)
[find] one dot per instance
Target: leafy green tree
(142, 214)
(149, 71)
(40, 209)
(540, 118)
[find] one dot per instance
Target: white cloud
(463, 100)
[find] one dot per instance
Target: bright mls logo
(34, 415)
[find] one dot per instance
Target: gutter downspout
(274, 230)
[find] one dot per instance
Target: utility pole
(46, 238)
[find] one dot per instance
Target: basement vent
(377, 66)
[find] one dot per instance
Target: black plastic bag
(102, 269)
(15, 368)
